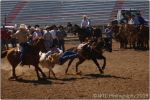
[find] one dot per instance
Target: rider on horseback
(22, 36)
(85, 24)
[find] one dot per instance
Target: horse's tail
(4, 53)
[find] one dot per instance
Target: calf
(49, 62)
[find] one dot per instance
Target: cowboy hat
(23, 26)
(84, 16)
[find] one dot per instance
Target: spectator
(109, 32)
(37, 34)
(4, 38)
(48, 38)
(69, 27)
(54, 36)
(61, 34)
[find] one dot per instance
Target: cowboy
(69, 27)
(37, 34)
(54, 36)
(61, 34)
(22, 36)
(48, 38)
(109, 32)
(85, 24)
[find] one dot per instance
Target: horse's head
(40, 44)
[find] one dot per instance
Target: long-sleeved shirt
(36, 35)
(53, 33)
(85, 23)
(47, 35)
(108, 32)
(22, 36)
(61, 34)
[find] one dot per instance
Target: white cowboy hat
(23, 26)
(84, 16)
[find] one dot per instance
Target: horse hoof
(103, 68)
(40, 79)
(66, 73)
(49, 77)
(12, 78)
(79, 73)
(102, 72)
(44, 76)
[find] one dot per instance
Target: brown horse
(93, 52)
(31, 58)
(143, 37)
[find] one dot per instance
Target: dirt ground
(126, 76)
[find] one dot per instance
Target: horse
(90, 32)
(96, 32)
(120, 35)
(132, 34)
(80, 31)
(31, 57)
(143, 37)
(94, 52)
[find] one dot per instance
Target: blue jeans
(24, 50)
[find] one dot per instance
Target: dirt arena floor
(126, 76)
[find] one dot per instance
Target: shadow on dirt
(105, 76)
(92, 76)
(68, 79)
(35, 82)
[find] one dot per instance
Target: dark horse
(84, 33)
(31, 58)
(93, 51)
(80, 31)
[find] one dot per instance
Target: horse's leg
(36, 69)
(69, 65)
(53, 73)
(49, 72)
(13, 73)
(95, 61)
(77, 64)
(103, 67)
(44, 76)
